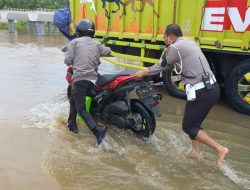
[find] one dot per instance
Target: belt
(201, 85)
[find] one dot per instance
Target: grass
(3, 26)
(21, 26)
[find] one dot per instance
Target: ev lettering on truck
(220, 18)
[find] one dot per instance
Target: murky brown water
(37, 152)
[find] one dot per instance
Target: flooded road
(37, 152)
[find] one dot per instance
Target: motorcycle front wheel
(147, 126)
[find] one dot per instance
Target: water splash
(46, 115)
(111, 146)
(234, 175)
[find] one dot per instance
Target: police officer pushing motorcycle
(84, 53)
(186, 58)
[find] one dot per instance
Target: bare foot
(221, 154)
(192, 154)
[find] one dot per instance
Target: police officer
(84, 53)
(186, 57)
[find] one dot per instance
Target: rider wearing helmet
(85, 27)
(84, 53)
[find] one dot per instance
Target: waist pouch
(191, 88)
(190, 92)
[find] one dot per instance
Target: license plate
(145, 92)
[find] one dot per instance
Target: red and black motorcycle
(113, 102)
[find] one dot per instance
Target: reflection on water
(37, 151)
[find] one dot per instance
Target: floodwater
(37, 152)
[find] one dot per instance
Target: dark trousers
(79, 92)
(196, 111)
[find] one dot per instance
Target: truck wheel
(173, 84)
(238, 87)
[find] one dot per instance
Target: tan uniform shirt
(191, 54)
(84, 55)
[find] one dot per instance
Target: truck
(220, 27)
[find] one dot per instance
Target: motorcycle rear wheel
(147, 127)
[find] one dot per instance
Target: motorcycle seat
(105, 79)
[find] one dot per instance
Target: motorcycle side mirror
(105, 40)
(64, 49)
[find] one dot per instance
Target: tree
(33, 4)
(2, 3)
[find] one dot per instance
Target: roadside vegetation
(33, 4)
(30, 5)
(20, 25)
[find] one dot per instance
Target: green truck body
(136, 27)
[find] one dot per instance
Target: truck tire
(173, 84)
(238, 87)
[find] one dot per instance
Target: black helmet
(85, 27)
